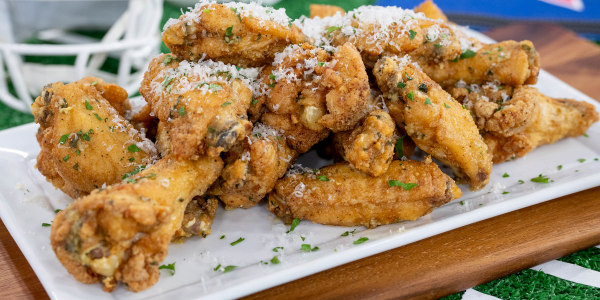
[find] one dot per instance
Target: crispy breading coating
(308, 92)
(85, 143)
(508, 62)
(321, 11)
(121, 233)
(198, 217)
(252, 168)
(201, 106)
(247, 35)
(434, 120)
(431, 10)
(340, 195)
(551, 120)
(370, 146)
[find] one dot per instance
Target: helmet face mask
(58, 54)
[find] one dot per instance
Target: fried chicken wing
(121, 233)
(252, 168)
(370, 146)
(321, 11)
(244, 34)
(340, 195)
(85, 143)
(430, 10)
(508, 62)
(198, 217)
(436, 123)
(550, 121)
(201, 106)
(379, 31)
(308, 92)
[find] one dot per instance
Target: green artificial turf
(588, 258)
(530, 284)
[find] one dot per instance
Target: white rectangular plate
(27, 200)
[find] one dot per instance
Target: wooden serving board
(452, 261)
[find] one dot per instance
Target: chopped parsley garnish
(238, 241)
(348, 233)
(170, 267)
(94, 82)
(308, 248)
(225, 103)
(182, 111)
(57, 210)
(427, 101)
(400, 147)
(540, 179)
(320, 64)
(401, 84)
(462, 203)
(211, 129)
(253, 101)
(322, 178)
(505, 192)
(275, 260)
(86, 136)
(131, 159)
(302, 238)
(206, 10)
(133, 148)
(63, 138)
(76, 166)
(410, 96)
(467, 54)
(229, 269)
(97, 117)
(215, 87)
(423, 88)
(46, 225)
(361, 240)
(405, 186)
(446, 105)
(521, 181)
(407, 76)
(332, 29)
(217, 268)
(66, 158)
(581, 160)
(229, 31)
(167, 81)
(295, 223)
(222, 237)
(272, 77)
(88, 106)
(559, 167)
(276, 249)
(505, 175)
(438, 45)
(586, 135)
(412, 34)
(135, 171)
(168, 59)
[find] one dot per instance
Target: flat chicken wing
(551, 120)
(121, 233)
(201, 106)
(340, 195)
(85, 143)
(434, 120)
(244, 34)
(253, 167)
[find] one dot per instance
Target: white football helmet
(133, 37)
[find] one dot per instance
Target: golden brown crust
(434, 120)
(431, 10)
(370, 146)
(341, 195)
(252, 169)
(251, 42)
(551, 120)
(198, 217)
(84, 142)
(321, 11)
(509, 63)
(207, 118)
(121, 233)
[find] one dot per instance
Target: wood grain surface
(452, 261)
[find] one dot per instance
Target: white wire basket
(133, 39)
